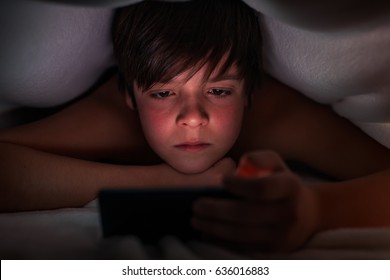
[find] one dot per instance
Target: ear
(130, 101)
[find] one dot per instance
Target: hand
(167, 176)
(273, 211)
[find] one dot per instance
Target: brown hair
(155, 41)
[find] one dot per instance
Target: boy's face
(192, 122)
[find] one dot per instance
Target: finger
(243, 248)
(271, 188)
(260, 163)
(247, 169)
(237, 211)
(252, 236)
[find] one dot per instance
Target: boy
(189, 71)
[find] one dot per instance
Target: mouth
(193, 146)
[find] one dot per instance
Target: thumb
(259, 164)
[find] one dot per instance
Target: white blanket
(347, 70)
(76, 234)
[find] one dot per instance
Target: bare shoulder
(300, 129)
(277, 112)
(99, 125)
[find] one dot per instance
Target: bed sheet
(75, 233)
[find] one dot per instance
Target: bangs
(156, 41)
(160, 74)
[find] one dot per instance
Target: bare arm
(279, 211)
(321, 139)
(33, 179)
(51, 163)
(46, 164)
(362, 202)
(300, 129)
(99, 126)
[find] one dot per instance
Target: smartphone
(153, 212)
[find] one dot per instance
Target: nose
(193, 114)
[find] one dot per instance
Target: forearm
(32, 179)
(362, 202)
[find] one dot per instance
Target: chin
(191, 168)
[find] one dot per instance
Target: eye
(219, 92)
(161, 94)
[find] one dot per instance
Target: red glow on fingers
(247, 169)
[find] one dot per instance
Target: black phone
(153, 212)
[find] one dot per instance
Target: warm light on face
(192, 122)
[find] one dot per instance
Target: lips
(192, 146)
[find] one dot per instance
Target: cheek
(229, 120)
(155, 123)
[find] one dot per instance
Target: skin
(192, 122)
(277, 212)
(273, 212)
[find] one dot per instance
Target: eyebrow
(224, 78)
